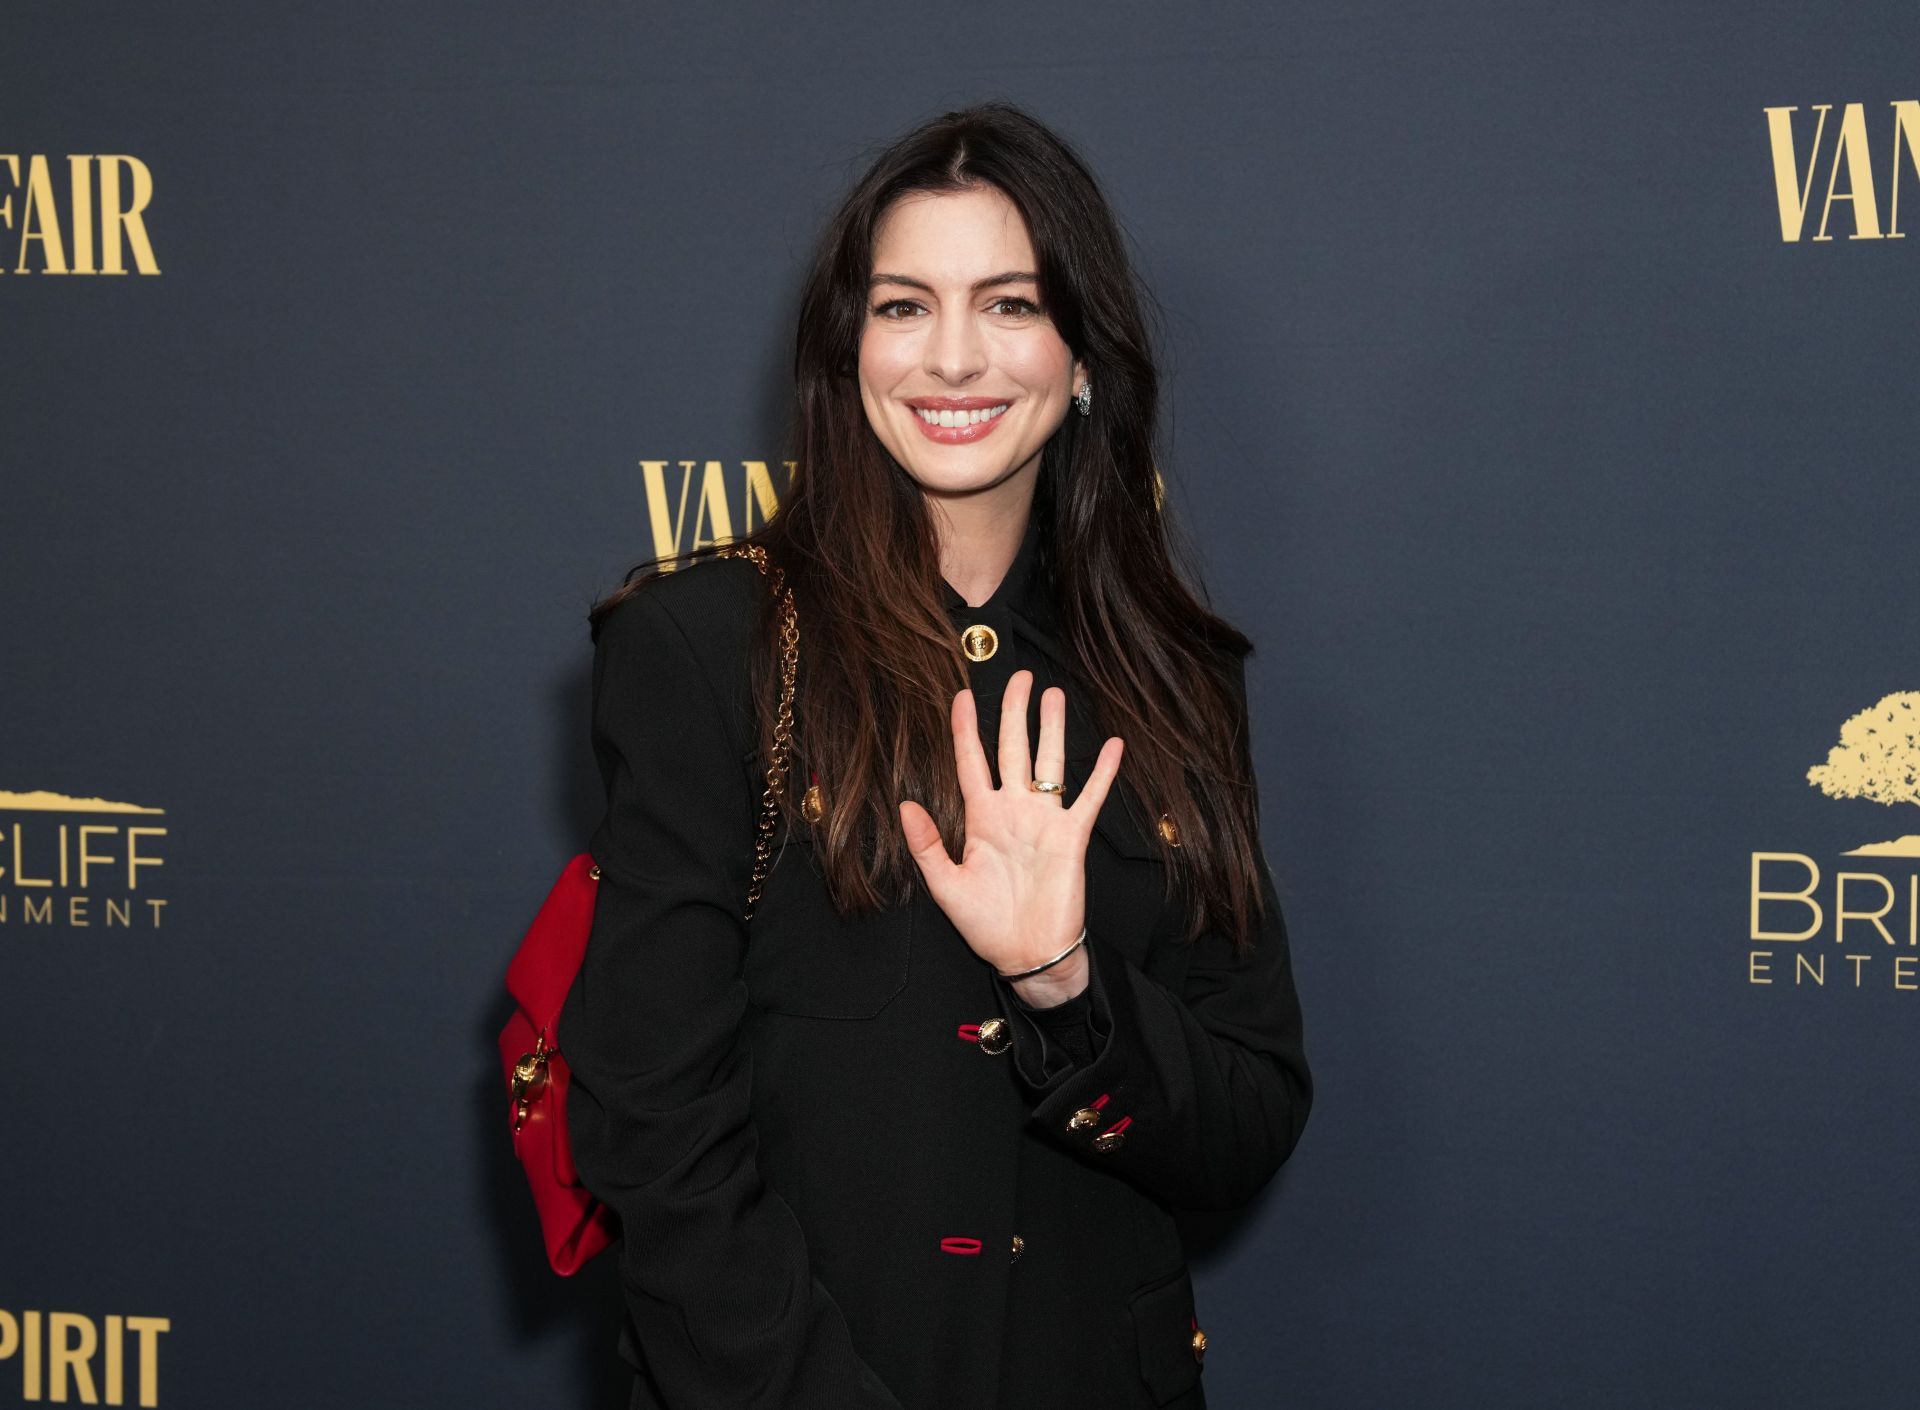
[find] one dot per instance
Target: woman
(910, 1137)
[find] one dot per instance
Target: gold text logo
(62, 1354)
(696, 507)
(64, 227)
(1848, 154)
(78, 862)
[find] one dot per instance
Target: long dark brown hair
(880, 662)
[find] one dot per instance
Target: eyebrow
(1010, 277)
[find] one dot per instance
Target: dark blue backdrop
(1571, 506)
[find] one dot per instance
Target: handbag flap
(543, 968)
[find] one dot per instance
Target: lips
(957, 420)
(962, 425)
(957, 403)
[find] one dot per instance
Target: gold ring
(1042, 785)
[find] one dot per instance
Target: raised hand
(1018, 893)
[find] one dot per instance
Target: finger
(1050, 760)
(924, 844)
(970, 760)
(1094, 792)
(1015, 766)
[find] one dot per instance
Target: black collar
(1024, 601)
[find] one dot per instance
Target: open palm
(1018, 893)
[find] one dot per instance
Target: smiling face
(962, 374)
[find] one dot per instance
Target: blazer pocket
(1130, 900)
(804, 959)
(1163, 1323)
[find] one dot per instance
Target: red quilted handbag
(574, 1223)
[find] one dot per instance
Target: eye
(899, 310)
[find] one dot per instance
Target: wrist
(1064, 981)
(1048, 964)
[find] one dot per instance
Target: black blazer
(834, 1194)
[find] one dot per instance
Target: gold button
(979, 641)
(1019, 1246)
(812, 806)
(1083, 1118)
(994, 1037)
(1199, 1343)
(594, 871)
(1108, 1140)
(1169, 830)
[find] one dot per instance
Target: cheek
(883, 360)
(871, 380)
(1039, 364)
(881, 371)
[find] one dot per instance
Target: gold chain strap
(783, 721)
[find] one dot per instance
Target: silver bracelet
(1028, 973)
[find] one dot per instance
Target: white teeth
(960, 418)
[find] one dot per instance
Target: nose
(956, 352)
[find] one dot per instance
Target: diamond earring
(1084, 399)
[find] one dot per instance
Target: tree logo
(1878, 757)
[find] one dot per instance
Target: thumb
(925, 845)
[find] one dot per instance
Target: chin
(951, 481)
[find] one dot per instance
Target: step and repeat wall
(1542, 394)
